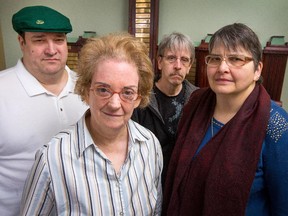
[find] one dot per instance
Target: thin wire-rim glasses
(172, 59)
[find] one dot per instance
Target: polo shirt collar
(32, 85)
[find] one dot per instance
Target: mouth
(112, 114)
(176, 75)
(223, 80)
(51, 59)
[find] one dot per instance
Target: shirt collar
(136, 134)
(32, 85)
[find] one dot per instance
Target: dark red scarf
(218, 180)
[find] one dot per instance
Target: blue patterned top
(269, 191)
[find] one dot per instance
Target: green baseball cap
(40, 19)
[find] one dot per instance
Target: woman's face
(113, 76)
(232, 80)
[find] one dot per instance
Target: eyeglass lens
(172, 58)
(126, 94)
(231, 60)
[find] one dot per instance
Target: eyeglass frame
(225, 58)
(111, 92)
(172, 61)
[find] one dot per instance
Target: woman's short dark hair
(237, 36)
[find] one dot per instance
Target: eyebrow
(38, 35)
(105, 84)
(41, 35)
(182, 56)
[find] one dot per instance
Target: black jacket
(151, 118)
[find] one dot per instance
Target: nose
(177, 63)
(115, 101)
(51, 48)
(223, 65)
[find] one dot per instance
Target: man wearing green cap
(37, 98)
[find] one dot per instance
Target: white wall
(193, 17)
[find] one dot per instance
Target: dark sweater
(150, 117)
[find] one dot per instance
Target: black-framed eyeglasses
(231, 60)
(172, 59)
(127, 94)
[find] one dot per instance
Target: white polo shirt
(29, 117)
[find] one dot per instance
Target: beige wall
(193, 17)
(199, 17)
(2, 56)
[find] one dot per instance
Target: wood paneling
(274, 66)
(143, 23)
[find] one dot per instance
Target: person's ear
(159, 62)
(21, 41)
(258, 71)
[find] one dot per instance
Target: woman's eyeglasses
(231, 60)
(127, 94)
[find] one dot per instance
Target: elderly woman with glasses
(231, 154)
(106, 164)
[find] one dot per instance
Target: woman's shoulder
(278, 123)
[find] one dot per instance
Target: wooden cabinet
(73, 52)
(191, 76)
(274, 66)
(200, 52)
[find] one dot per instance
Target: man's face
(44, 53)
(174, 66)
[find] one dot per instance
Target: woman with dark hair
(231, 154)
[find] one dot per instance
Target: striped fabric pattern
(72, 176)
